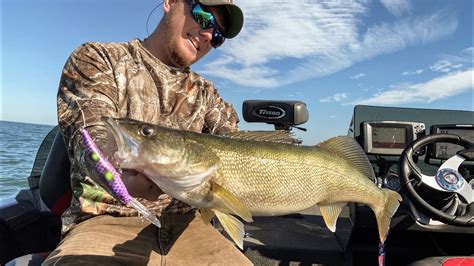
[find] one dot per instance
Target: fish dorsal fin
(278, 136)
(233, 227)
(330, 213)
(348, 148)
(232, 203)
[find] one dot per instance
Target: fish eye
(147, 131)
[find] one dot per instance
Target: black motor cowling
(282, 114)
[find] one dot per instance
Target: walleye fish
(253, 173)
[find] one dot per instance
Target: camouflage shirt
(126, 80)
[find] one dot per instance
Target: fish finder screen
(447, 150)
(389, 137)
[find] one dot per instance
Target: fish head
(165, 155)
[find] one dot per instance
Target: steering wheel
(446, 179)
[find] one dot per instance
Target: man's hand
(139, 185)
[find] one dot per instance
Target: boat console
(425, 155)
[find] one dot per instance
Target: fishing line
(149, 15)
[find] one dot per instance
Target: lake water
(19, 143)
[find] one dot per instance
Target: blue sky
(330, 54)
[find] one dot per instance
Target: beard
(179, 59)
(177, 56)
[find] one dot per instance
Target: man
(150, 81)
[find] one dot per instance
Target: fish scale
(262, 183)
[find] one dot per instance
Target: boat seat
(55, 182)
(30, 259)
(54, 189)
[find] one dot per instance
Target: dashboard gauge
(442, 150)
(392, 181)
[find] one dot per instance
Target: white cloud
(280, 29)
(436, 89)
(338, 97)
(358, 76)
(280, 44)
(259, 76)
(468, 51)
(416, 72)
(449, 63)
(397, 7)
(445, 66)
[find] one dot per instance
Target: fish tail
(384, 212)
(145, 212)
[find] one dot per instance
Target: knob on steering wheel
(447, 179)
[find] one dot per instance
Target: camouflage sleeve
(221, 116)
(87, 92)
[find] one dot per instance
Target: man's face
(187, 42)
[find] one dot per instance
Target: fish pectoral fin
(232, 203)
(206, 215)
(233, 227)
(330, 213)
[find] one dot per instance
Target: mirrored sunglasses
(206, 20)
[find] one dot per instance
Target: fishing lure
(104, 168)
(381, 254)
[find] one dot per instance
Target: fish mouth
(127, 146)
(129, 153)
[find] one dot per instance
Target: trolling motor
(284, 115)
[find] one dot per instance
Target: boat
(427, 155)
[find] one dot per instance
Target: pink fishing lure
(107, 173)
